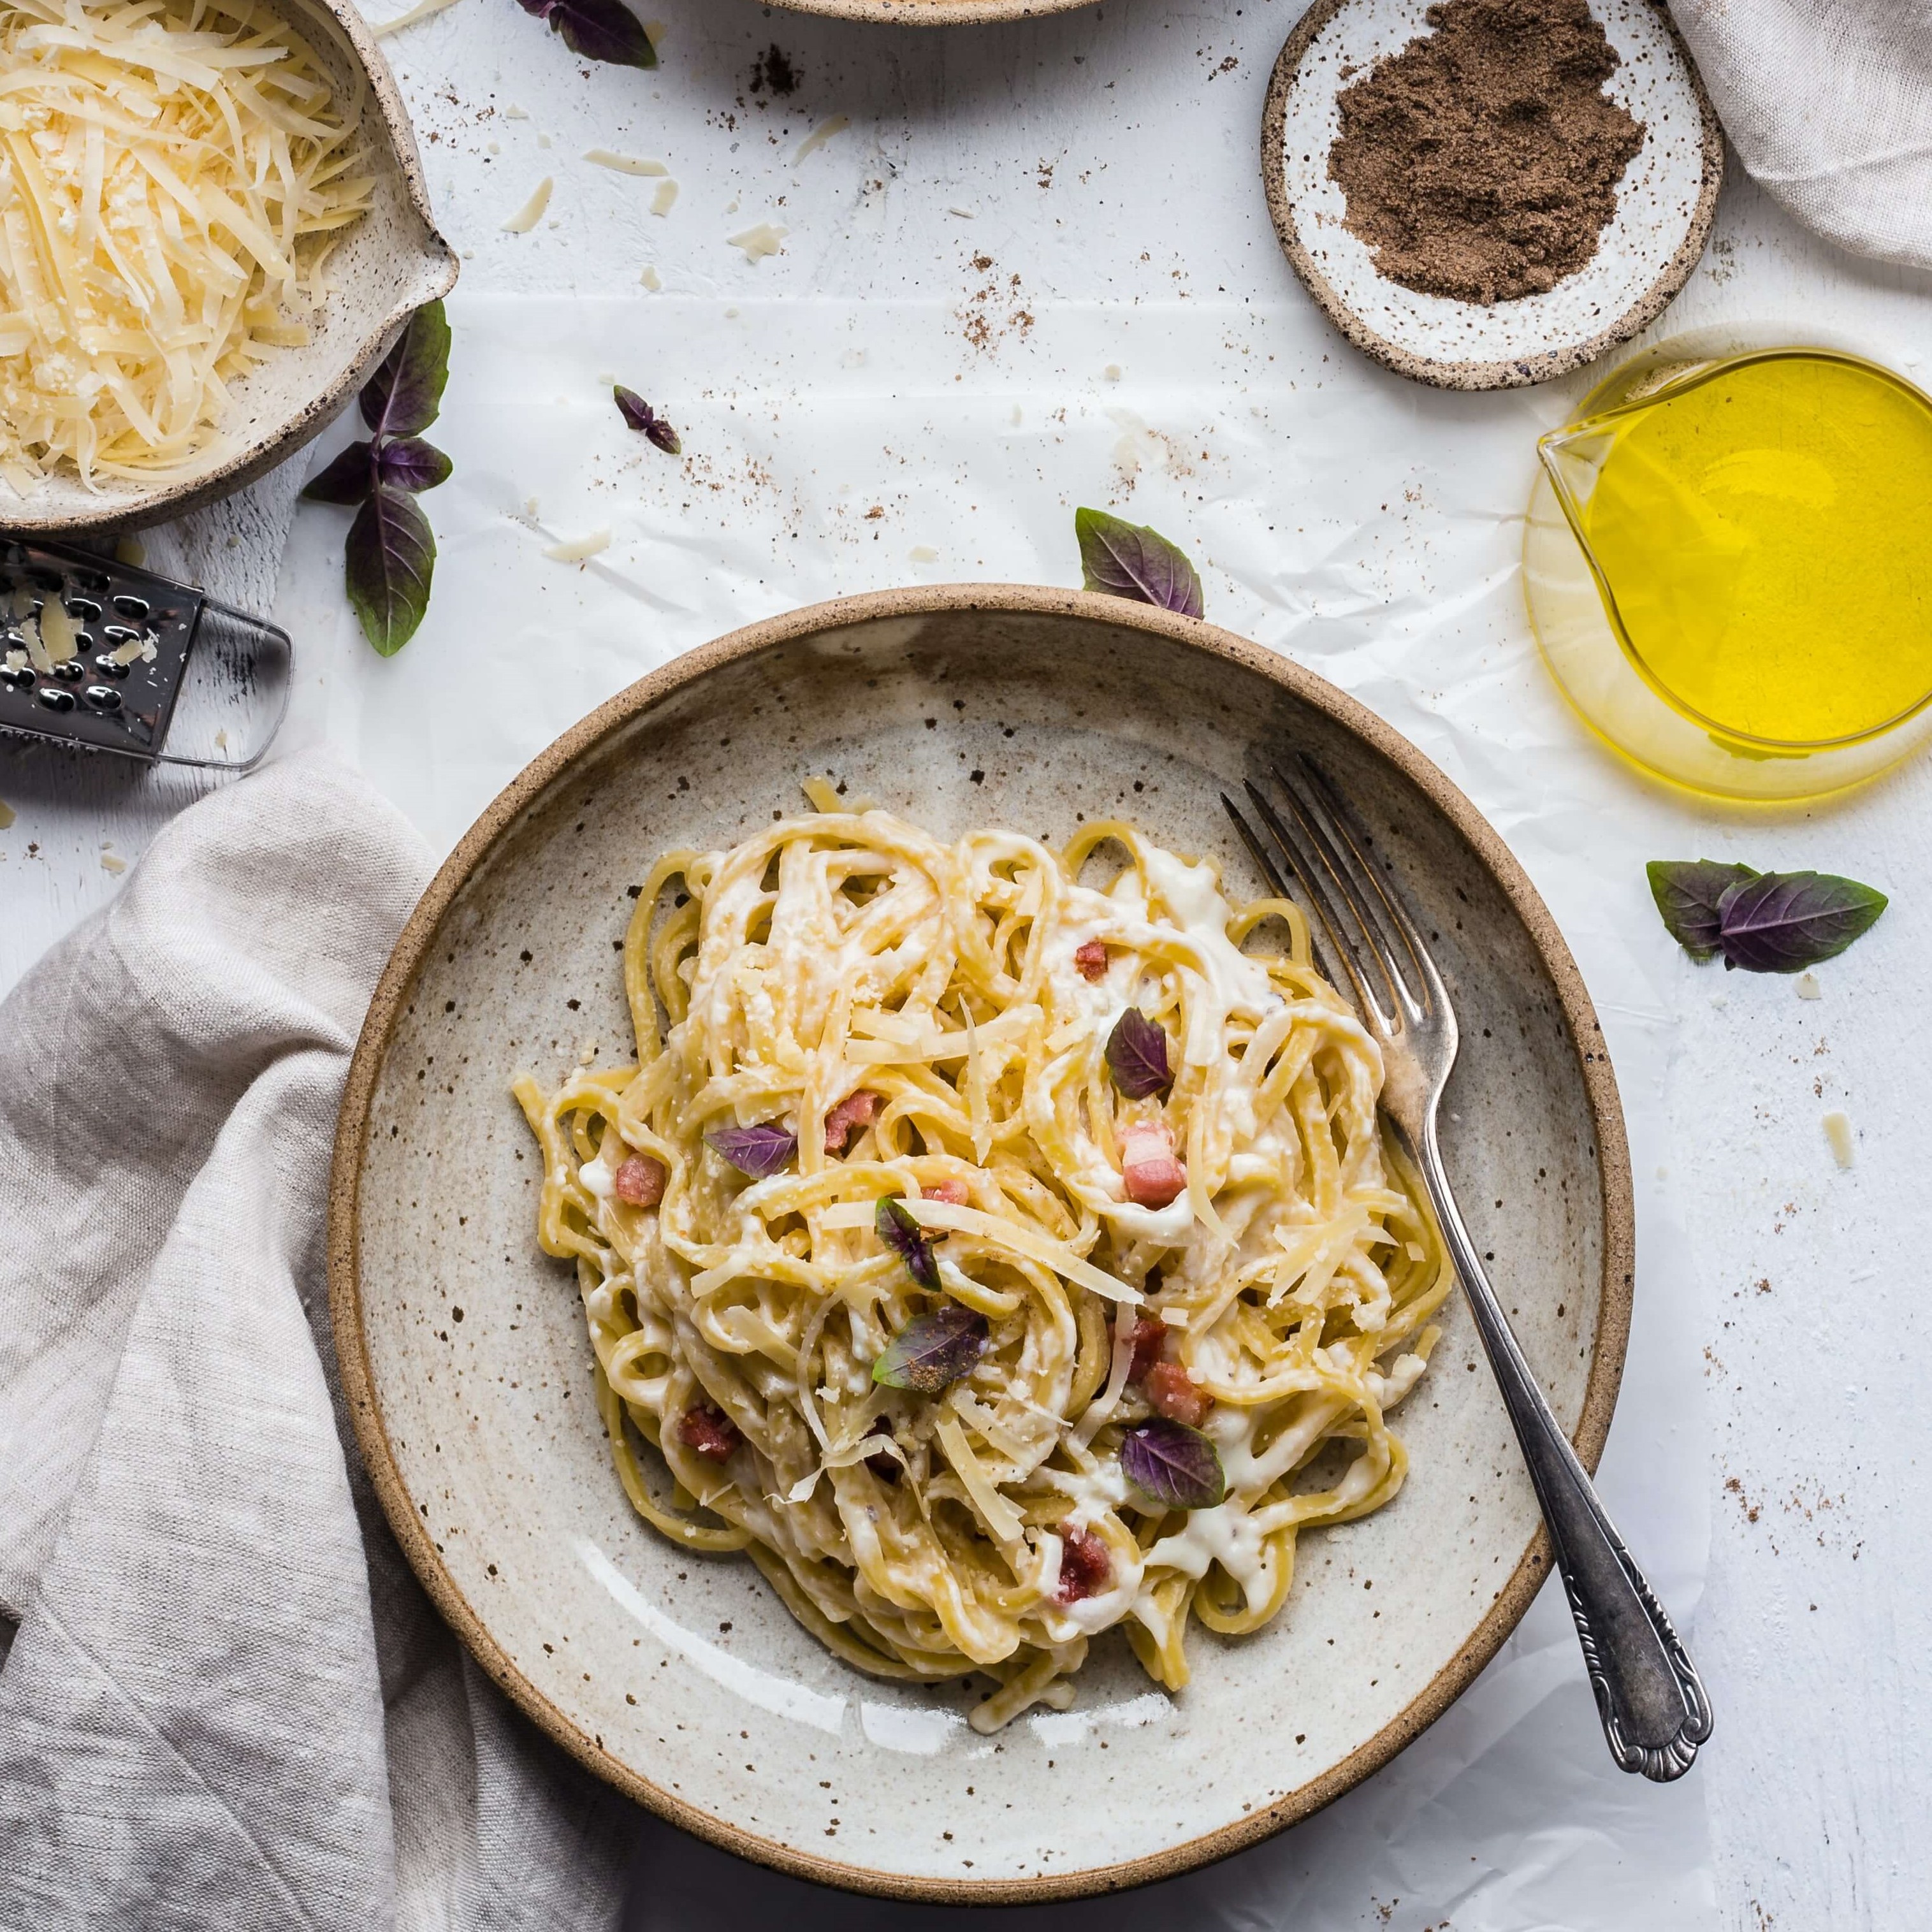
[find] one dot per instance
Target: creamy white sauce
(1229, 982)
(1227, 1535)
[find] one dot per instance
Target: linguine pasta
(1112, 1345)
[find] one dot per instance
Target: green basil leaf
(391, 554)
(347, 480)
(932, 1350)
(403, 395)
(1173, 1464)
(1784, 921)
(599, 30)
(1124, 560)
(1687, 892)
(408, 462)
(908, 1239)
(1137, 1056)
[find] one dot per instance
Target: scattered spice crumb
(772, 73)
(1481, 161)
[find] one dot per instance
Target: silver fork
(1653, 1710)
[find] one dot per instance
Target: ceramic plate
(682, 1680)
(1666, 202)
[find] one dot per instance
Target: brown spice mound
(1481, 161)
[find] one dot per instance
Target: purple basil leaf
(641, 417)
(599, 30)
(1687, 892)
(1176, 1466)
(387, 563)
(408, 462)
(758, 1151)
(347, 480)
(932, 1351)
(1784, 921)
(1137, 1056)
(402, 398)
(1130, 560)
(908, 1239)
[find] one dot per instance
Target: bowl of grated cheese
(213, 223)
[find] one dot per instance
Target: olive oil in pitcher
(1757, 532)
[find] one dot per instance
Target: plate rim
(391, 994)
(933, 12)
(1506, 373)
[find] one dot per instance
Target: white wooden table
(1111, 156)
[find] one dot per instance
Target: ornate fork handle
(1653, 1707)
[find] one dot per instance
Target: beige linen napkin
(228, 1704)
(1828, 103)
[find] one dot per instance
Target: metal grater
(155, 671)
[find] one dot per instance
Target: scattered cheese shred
(173, 175)
(7, 815)
(651, 279)
(820, 135)
(623, 164)
(665, 199)
(112, 861)
(1808, 987)
(527, 216)
(759, 241)
(1838, 1136)
(574, 550)
(422, 10)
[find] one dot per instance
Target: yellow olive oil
(1762, 533)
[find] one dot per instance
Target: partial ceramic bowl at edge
(681, 1679)
(387, 266)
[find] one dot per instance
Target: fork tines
(1368, 932)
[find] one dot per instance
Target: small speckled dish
(681, 1679)
(933, 13)
(387, 264)
(1666, 202)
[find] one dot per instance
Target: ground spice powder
(1481, 161)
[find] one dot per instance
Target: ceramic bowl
(682, 1680)
(387, 264)
(1667, 201)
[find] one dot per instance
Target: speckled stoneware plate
(681, 1679)
(387, 266)
(933, 13)
(1666, 202)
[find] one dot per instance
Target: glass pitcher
(1641, 705)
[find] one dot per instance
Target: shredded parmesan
(574, 550)
(819, 136)
(527, 216)
(173, 175)
(623, 164)
(665, 199)
(422, 10)
(759, 241)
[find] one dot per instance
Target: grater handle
(234, 693)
